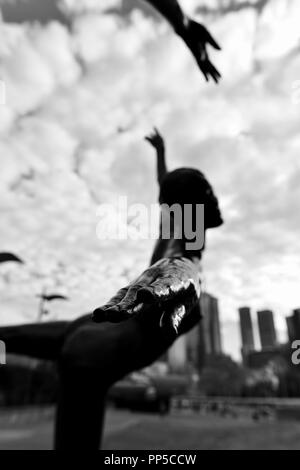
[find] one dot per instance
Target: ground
(33, 430)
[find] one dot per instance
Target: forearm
(161, 164)
(172, 11)
(40, 340)
(142, 342)
(114, 350)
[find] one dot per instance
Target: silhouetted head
(189, 186)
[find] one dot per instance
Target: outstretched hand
(164, 295)
(198, 38)
(156, 140)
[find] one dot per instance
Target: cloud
(79, 103)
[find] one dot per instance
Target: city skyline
(264, 322)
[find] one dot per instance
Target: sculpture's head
(189, 186)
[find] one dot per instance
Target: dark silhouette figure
(182, 186)
(130, 332)
(9, 257)
(194, 34)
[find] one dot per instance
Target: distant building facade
(246, 328)
(177, 355)
(259, 359)
(205, 340)
(210, 327)
(267, 331)
(293, 325)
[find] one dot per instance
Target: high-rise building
(216, 338)
(210, 325)
(246, 328)
(291, 328)
(205, 339)
(267, 330)
(293, 325)
(296, 314)
(177, 355)
(260, 359)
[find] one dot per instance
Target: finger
(130, 306)
(112, 315)
(203, 70)
(129, 299)
(212, 41)
(210, 71)
(115, 299)
(214, 72)
(129, 302)
(103, 313)
(215, 79)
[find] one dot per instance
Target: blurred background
(82, 82)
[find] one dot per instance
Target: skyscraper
(267, 330)
(246, 328)
(211, 327)
(293, 325)
(177, 355)
(291, 328)
(205, 340)
(296, 314)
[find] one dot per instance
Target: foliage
(222, 377)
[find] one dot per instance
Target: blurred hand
(197, 39)
(156, 140)
(166, 294)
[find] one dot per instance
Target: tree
(222, 377)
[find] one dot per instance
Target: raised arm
(157, 141)
(194, 34)
(172, 11)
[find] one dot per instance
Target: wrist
(160, 150)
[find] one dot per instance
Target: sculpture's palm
(166, 294)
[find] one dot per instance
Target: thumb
(211, 41)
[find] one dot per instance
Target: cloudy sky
(84, 84)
